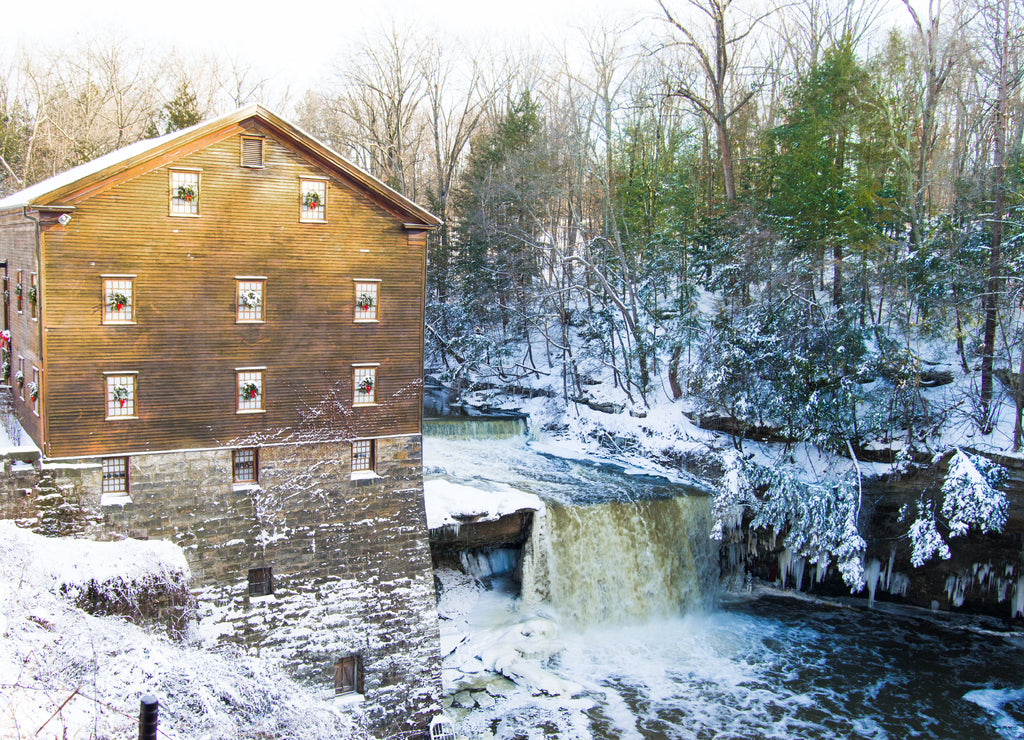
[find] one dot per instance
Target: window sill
(119, 323)
(115, 499)
(364, 475)
(250, 321)
(249, 486)
(261, 599)
(364, 404)
(184, 215)
(120, 418)
(312, 220)
(366, 321)
(352, 697)
(251, 411)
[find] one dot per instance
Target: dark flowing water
(751, 667)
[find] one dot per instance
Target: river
(656, 652)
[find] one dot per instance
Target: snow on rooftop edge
(445, 500)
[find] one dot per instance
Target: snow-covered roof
(40, 190)
(53, 192)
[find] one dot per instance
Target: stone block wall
(350, 562)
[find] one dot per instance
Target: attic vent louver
(252, 152)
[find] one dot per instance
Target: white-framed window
(249, 389)
(252, 151)
(365, 378)
(19, 377)
(114, 475)
(367, 300)
(245, 465)
(313, 200)
(184, 192)
(122, 391)
(35, 390)
(249, 295)
(33, 295)
(364, 457)
(118, 299)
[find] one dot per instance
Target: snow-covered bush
(969, 501)
(819, 521)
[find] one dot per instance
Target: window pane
(366, 300)
(314, 200)
(250, 300)
(250, 390)
(118, 300)
(362, 455)
(120, 396)
(366, 384)
(261, 582)
(245, 465)
(115, 475)
(184, 193)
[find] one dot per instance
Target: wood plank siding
(186, 345)
(18, 247)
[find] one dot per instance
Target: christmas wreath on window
(6, 370)
(33, 392)
(33, 293)
(18, 290)
(118, 301)
(250, 391)
(364, 302)
(120, 395)
(365, 386)
(20, 377)
(249, 299)
(186, 193)
(311, 200)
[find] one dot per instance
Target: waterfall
(475, 427)
(624, 561)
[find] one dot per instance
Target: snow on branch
(820, 521)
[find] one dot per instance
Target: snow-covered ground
(67, 674)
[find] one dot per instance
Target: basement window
(115, 475)
(363, 458)
(245, 465)
(252, 151)
(261, 581)
(348, 675)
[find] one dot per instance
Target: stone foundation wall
(350, 559)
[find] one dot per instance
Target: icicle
(898, 584)
(1017, 607)
(888, 570)
(871, 571)
(797, 565)
(784, 557)
(955, 590)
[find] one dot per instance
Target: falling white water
(629, 561)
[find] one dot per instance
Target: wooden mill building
(215, 337)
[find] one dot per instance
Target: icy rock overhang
(466, 516)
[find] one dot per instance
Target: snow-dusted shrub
(925, 540)
(969, 501)
(969, 498)
(819, 521)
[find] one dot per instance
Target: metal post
(148, 710)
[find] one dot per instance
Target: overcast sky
(297, 41)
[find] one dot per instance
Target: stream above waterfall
(628, 638)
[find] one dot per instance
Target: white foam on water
(993, 701)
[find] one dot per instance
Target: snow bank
(452, 504)
(52, 652)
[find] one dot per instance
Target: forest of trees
(757, 208)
